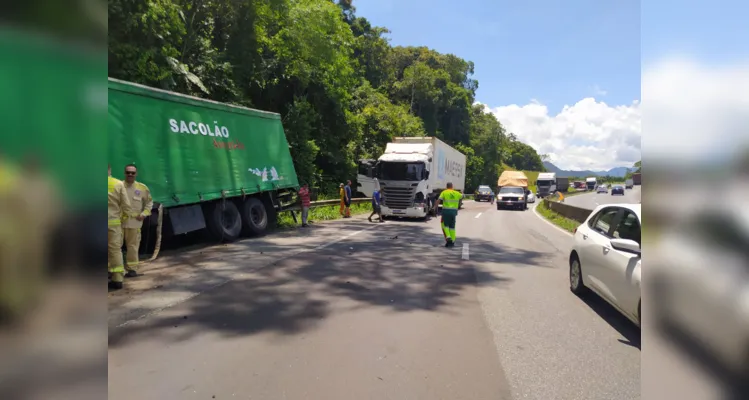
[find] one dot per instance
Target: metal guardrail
(323, 203)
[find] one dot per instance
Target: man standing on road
(347, 199)
(450, 202)
(141, 204)
(376, 199)
(118, 202)
(305, 200)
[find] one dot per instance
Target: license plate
(398, 212)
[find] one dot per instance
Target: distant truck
(579, 185)
(563, 184)
(591, 183)
(208, 164)
(412, 172)
(512, 190)
(629, 184)
(546, 184)
(637, 178)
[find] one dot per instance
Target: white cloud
(694, 111)
(587, 135)
(598, 91)
(690, 111)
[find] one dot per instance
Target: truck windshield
(544, 183)
(401, 171)
(516, 190)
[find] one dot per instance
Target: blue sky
(557, 52)
(712, 32)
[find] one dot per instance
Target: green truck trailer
(208, 164)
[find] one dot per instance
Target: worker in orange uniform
(118, 202)
(342, 193)
(132, 221)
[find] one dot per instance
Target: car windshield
(513, 190)
(401, 171)
(484, 189)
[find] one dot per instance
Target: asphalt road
(353, 310)
(592, 200)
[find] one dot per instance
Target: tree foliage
(342, 90)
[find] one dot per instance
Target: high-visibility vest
(117, 201)
(451, 199)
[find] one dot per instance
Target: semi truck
(209, 165)
(590, 183)
(412, 172)
(563, 184)
(546, 184)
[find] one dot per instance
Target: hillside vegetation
(342, 90)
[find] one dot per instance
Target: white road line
(465, 254)
(240, 275)
(478, 215)
(541, 217)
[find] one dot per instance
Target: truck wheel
(223, 221)
(254, 217)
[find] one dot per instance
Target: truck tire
(223, 221)
(254, 217)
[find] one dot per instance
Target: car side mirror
(628, 245)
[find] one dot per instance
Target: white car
(531, 197)
(606, 258)
(701, 281)
(602, 189)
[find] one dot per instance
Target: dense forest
(342, 90)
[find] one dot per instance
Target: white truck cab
(412, 172)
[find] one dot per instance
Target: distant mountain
(618, 171)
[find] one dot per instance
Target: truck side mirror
(426, 174)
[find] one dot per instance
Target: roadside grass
(557, 219)
(325, 213)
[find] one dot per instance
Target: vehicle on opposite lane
(531, 197)
(606, 257)
(484, 192)
(618, 189)
(511, 197)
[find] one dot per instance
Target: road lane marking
(465, 254)
(478, 215)
(239, 275)
(541, 217)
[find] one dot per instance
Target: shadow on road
(613, 317)
(394, 268)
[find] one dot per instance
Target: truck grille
(510, 198)
(398, 198)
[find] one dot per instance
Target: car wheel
(576, 276)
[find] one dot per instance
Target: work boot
(115, 285)
(131, 274)
(448, 243)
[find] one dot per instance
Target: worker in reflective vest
(450, 203)
(118, 202)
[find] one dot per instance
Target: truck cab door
(365, 177)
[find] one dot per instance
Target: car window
(602, 222)
(628, 228)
